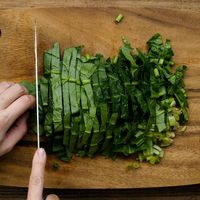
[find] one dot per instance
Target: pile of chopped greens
(131, 104)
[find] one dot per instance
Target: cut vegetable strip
(66, 101)
(56, 88)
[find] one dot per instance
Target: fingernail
(30, 96)
(52, 197)
(41, 152)
(25, 89)
(7, 84)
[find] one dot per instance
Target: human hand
(36, 182)
(14, 103)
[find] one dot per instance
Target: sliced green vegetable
(131, 104)
(56, 88)
(119, 18)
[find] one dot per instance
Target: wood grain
(191, 192)
(170, 4)
(96, 29)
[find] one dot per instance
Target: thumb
(36, 181)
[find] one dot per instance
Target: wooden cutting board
(95, 28)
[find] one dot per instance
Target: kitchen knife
(36, 86)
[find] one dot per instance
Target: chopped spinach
(131, 104)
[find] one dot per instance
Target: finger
(11, 94)
(36, 181)
(14, 135)
(14, 111)
(4, 86)
(52, 197)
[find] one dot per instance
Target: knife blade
(36, 85)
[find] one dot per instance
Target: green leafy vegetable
(130, 104)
